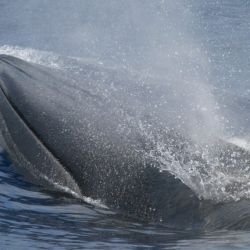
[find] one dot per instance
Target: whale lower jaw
(29, 154)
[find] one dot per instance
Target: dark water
(33, 218)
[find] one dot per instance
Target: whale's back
(93, 137)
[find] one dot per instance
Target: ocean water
(204, 45)
(31, 218)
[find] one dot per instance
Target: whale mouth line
(75, 193)
(21, 116)
(14, 107)
(3, 57)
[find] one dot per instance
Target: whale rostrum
(96, 137)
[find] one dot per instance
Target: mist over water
(163, 44)
(153, 37)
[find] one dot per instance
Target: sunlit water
(35, 219)
(217, 34)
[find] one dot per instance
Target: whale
(95, 138)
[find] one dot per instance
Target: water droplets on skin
(212, 171)
(159, 42)
(196, 164)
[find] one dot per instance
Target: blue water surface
(32, 218)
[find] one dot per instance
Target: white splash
(65, 189)
(34, 56)
(240, 142)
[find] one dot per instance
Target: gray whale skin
(64, 135)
